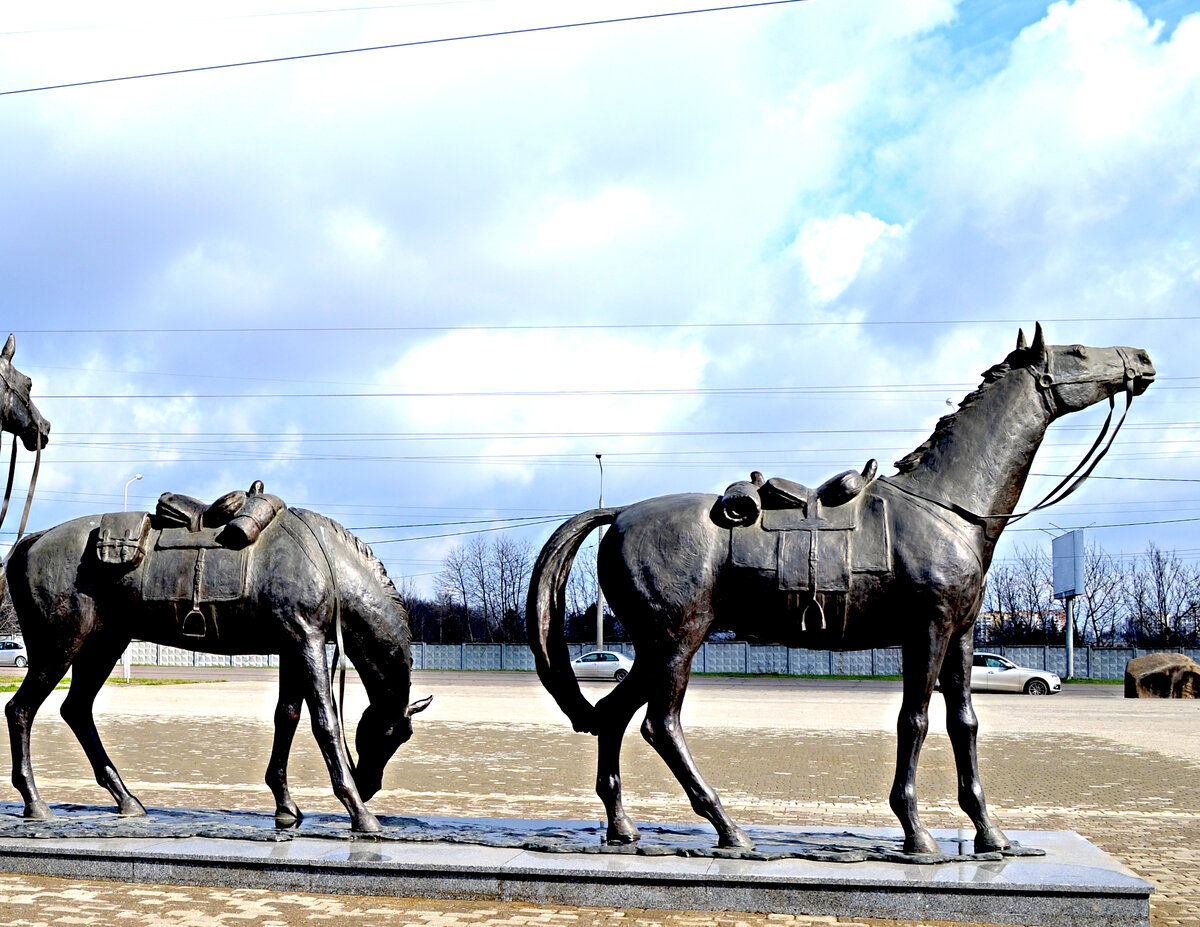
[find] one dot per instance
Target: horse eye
(1079, 351)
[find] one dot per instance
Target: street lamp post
(135, 477)
(125, 652)
(599, 591)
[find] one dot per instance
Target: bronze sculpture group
(860, 562)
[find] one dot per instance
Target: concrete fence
(724, 658)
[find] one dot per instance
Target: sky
(419, 288)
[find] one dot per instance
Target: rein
(12, 470)
(339, 651)
(1046, 382)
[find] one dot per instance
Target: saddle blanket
(818, 552)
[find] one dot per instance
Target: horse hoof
(991, 840)
(131, 808)
(736, 839)
(921, 843)
(622, 832)
(369, 824)
(38, 811)
(286, 819)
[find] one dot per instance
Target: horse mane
(378, 571)
(1018, 359)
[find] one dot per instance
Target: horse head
(1072, 377)
(18, 414)
(380, 734)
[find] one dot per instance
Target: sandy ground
(1124, 773)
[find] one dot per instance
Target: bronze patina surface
(856, 564)
(84, 589)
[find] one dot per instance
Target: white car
(12, 653)
(994, 673)
(602, 664)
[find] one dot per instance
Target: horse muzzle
(1139, 371)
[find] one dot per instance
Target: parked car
(602, 664)
(994, 673)
(12, 653)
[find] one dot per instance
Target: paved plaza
(1124, 774)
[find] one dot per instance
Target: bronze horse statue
(304, 581)
(901, 563)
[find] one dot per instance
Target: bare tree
(8, 615)
(1018, 599)
(485, 582)
(1099, 607)
(1162, 597)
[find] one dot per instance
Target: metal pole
(125, 652)
(599, 591)
(136, 476)
(1070, 600)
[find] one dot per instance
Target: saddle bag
(121, 538)
(258, 511)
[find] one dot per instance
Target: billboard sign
(1067, 552)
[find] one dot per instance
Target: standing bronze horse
(902, 562)
(305, 580)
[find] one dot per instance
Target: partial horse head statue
(18, 414)
(1073, 377)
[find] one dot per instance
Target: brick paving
(1126, 775)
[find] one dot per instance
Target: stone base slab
(1073, 884)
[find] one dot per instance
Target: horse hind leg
(962, 726)
(613, 713)
(92, 668)
(663, 731)
(287, 717)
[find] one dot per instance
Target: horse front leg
(287, 718)
(664, 733)
(21, 709)
(328, 733)
(962, 726)
(92, 667)
(923, 658)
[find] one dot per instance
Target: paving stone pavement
(1124, 774)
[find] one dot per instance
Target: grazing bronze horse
(901, 563)
(303, 579)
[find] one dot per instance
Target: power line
(394, 45)
(606, 326)
(269, 15)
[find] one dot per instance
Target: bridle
(1047, 382)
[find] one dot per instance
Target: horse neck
(375, 629)
(982, 460)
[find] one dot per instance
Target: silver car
(994, 673)
(602, 664)
(12, 653)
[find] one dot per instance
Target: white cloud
(833, 250)
(616, 213)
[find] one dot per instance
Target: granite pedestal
(795, 870)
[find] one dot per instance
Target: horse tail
(545, 615)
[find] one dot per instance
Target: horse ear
(1021, 345)
(418, 706)
(10, 348)
(1039, 342)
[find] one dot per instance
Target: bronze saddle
(809, 543)
(189, 553)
